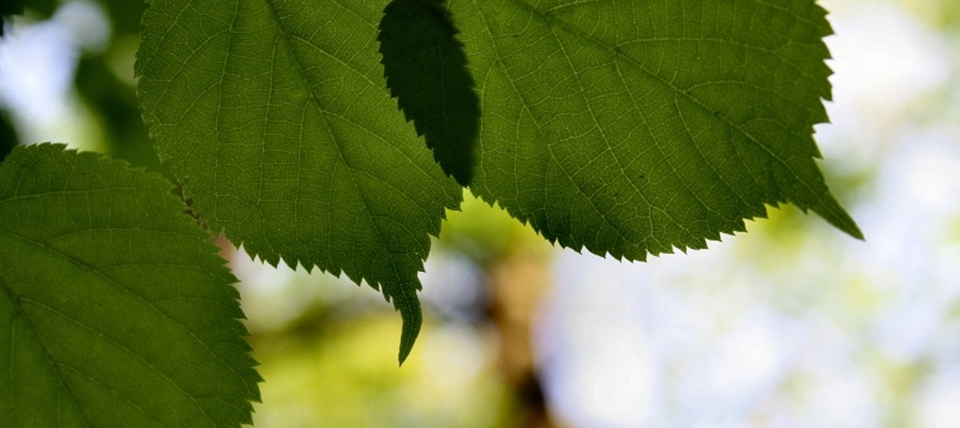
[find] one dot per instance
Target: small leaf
(115, 310)
(426, 69)
(633, 128)
(275, 119)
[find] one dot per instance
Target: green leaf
(115, 310)
(632, 127)
(274, 117)
(426, 69)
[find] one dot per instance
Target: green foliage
(114, 307)
(660, 131)
(276, 121)
(636, 127)
(627, 128)
(427, 71)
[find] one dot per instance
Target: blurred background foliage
(790, 325)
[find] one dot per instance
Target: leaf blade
(115, 308)
(635, 128)
(274, 117)
(426, 70)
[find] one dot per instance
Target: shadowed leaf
(426, 70)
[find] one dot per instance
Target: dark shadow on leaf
(426, 70)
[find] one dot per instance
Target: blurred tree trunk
(518, 281)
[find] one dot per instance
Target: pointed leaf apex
(833, 213)
(412, 321)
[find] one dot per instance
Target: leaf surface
(114, 308)
(274, 116)
(426, 69)
(634, 127)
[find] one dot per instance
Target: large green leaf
(115, 310)
(274, 116)
(635, 127)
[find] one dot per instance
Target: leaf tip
(831, 211)
(405, 301)
(411, 329)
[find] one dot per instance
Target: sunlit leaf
(628, 128)
(115, 310)
(634, 127)
(275, 118)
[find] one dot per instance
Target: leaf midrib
(401, 298)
